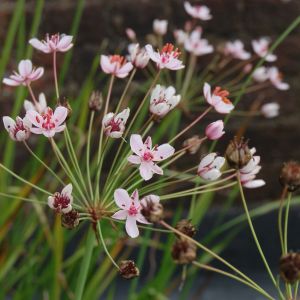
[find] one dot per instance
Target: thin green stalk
(88, 150)
(286, 222)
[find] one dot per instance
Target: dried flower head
(152, 209)
(70, 220)
(290, 175)
(238, 153)
(290, 267)
(128, 269)
(193, 144)
(184, 251)
(186, 227)
(95, 101)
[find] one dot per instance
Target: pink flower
(26, 74)
(215, 130)
(261, 48)
(48, 123)
(138, 56)
(249, 172)
(201, 12)
(18, 130)
(160, 26)
(146, 156)
(196, 45)
(114, 125)
(180, 36)
(210, 165)
(270, 110)
(218, 99)
(276, 79)
(261, 74)
(236, 50)
(166, 58)
(53, 43)
(131, 34)
(40, 106)
(130, 211)
(62, 202)
(163, 100)
(115, 65)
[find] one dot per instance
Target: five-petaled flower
(163, 100)
(210, 165)
(261, 48)
(48, 123)
(138, 56)
(196, 45)
(166, 58)
(27, 74)
(261, 74)
(62, 202)
(114, 125)
(201, 12)
(40, 106)
(218, 99)
(18, 130)
(146, 155)
(270, 110)
(236, 50)
(115, 65)
(248, 173)
(276, 79)
(160, 26)
(53, 43)
(130, 211)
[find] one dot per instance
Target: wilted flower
(160, 26)
(48, 123)
(166, 58)
(146, 156)
(128, 269)
(138, 56)
(95, 101)
(40, 106)
(215, 130)
(290, 176)
(26, 74)
(261, 48)
(248, 172)
(18, 130)
(186, 227)
(131, 34)
(54, 43)
(236, 50)
(270, 110)
(62, 202)
(210, 165)
(114, 125)
(152, 209)
(115, 65)
(201, 12)
(218, 99)
(261, 74)
(130, 211)
(70, 220)
(184, 251)
(196, 45)
(290, 267)
(276, 79)
(180, 36)
(163, 100)
(193, 144)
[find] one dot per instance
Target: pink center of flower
(222, 94)
(147, 156)
(115, 125)
(61, 201)
(18, 127)
(168, 52)
(47, 122)
(132, 211)
(120, 60)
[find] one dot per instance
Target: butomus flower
(115, 65)
(146, 156)
(236, 50)
(62, 202)
(18, 130)
(200, 12)
(160, 26)
(210, 165)
(276, 79)
(261, 48)
(215, 130)
(40, 106)
(138, 56)
(270, 110)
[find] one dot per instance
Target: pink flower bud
(215, 130)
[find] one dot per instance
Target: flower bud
(95, 101)
(160, 26)
(290, 267)
(290, 176)
(238, 153)
(215, 130)
(270, 110)
(184, 251)
(192, 144)
(128, 269)
(70, 220)
(152, 209)
(186, 227)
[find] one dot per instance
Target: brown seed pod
(290, 176)
(152, 209)
(192, 144)
(95, 101)
(186, 227)
(128, 269)
(184, 251)
(290, 267)
(70, 220)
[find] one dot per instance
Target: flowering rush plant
(121, 173)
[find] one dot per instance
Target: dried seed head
(152, 209)
(238, 153)
(290, 267)
(128, 269)
(186, 227)
(184, 251)
(70, 220)
(290, 175)
(192, 144)
(96, 101)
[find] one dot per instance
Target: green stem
(88, 150)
